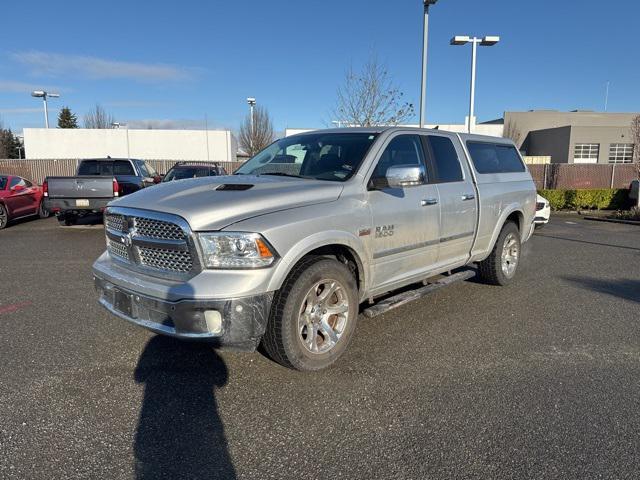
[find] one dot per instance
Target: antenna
(606, 96)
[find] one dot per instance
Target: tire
(43, 212)
(4, 216)
(491, 269)
(298, 333)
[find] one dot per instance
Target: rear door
(458, 199)
(406, 221)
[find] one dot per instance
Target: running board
(406, 297)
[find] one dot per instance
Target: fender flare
(511, 208)
(313, 242)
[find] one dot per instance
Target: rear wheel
(42, 211)
(4, 217)
(500, 266)
(313, 315)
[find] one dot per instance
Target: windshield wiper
(283, 174)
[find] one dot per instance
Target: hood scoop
(234, 186)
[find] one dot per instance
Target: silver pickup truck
(309, 231)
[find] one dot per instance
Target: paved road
(540, 379)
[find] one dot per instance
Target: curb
(613, 220)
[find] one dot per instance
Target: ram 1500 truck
(98, 181)
(286, 250)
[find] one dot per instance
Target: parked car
(183, 170)
(19, 198)
(286, 257)
(543, 212)
(97, 182)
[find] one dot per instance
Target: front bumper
(235, 323)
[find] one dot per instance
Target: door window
(446, 163)
(17, 181)
(403, 150)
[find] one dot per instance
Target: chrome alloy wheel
(510, 255)
(4, 217)
(324, 314)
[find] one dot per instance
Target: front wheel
(500, 266)
(313, 315)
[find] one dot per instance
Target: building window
(586, 152)
(621, 153)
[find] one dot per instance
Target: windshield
(187, 172)
(321, 156)
(3, 183)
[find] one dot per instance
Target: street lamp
(425, 41)
(42, 94)
(487, 41)
(118, 125)
(252, 103)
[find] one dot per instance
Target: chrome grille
(115, 222)
(165, 259)
(158, 229)
(118, 249)
(150, 244)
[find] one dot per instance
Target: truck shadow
(626, 289)
(179, 432)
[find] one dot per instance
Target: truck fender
(509, 209)
(313, 242)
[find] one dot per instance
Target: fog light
(214, 321)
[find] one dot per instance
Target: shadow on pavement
(180, 434)
(626, 289)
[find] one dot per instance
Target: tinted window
(123, 167)
(180, 173)
(102, 167)
(403, 150)
(17, 181)
(321, 156)
(445, 159)
(143, 169)
(495, 158)
(3, 183)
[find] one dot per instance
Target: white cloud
(8, 86)
(20, 110)
(54, 64)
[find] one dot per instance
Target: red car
(19, 198)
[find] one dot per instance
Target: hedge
(600, 199)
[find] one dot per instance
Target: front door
(406, 221)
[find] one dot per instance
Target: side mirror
(157, 179)
(403, 176)
(17, 188)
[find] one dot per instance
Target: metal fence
(37, 170)
(566, 176)
(550, 176)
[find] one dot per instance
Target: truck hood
(212, 203)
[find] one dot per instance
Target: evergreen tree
(9, 144)
(66, 119)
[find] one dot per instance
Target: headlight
(235, 250)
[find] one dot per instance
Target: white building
(62, 143)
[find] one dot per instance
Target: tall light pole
(252, 103)
(425, 43)
(118, 125)
(44, 95)
(487, 41)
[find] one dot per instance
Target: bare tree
(370, 98)
(252, 140)
(512, 132)
(98, 118)
(635, 138)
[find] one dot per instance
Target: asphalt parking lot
(540, 379)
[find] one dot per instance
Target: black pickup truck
(97, 182)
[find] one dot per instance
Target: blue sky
(172, 63)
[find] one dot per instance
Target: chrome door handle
(428, 201)
(468, 196)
